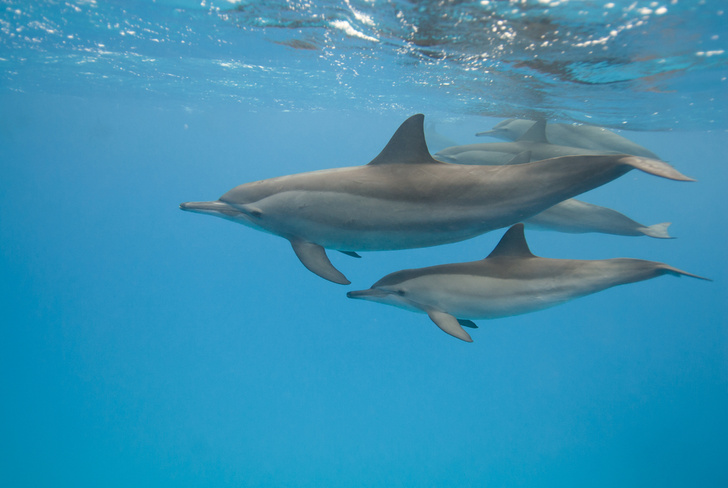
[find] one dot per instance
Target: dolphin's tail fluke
(654, 167)
(658, 230)
(667, 269)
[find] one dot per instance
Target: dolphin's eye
(400, 293)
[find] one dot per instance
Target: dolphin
(584, 136)
(577, 217)
(405, 199)
(510, 281)
(531, 146)
(568, 216)
(435, 140)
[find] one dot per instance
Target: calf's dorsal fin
(512, 244)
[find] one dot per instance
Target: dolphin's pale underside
(510, 281)
(406, 199)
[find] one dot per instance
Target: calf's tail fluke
(667, 269)
(654, 167)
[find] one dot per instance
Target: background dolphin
(570, 215)
(584, 136)
(577, 217)
(405, 199)
(510, 281)
(435, 140)
(533, 145)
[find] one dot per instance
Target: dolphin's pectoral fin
(350, 253)
(314, 258)
(449, 324)
(467, 323)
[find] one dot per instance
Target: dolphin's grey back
(584, 136)
(513, 259)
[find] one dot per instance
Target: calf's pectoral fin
(315, 259)
(467, 323)
(449, 324)
(350, 253)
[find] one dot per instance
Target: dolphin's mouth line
(210, 207)
(367, 294)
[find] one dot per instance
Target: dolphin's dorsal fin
(512, 244)
(522, 157)
(407, 145)
(537, 133)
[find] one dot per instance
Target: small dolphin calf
(405, 199)
(584, 136)
(510, 281)
(577, 217)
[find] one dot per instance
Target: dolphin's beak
(369, 294)
(490, 133)
(216, 207)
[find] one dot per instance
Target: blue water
(145, 346)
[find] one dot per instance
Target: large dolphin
(405, 199)
(510, 281)
(584, 136)
(531, 146)
(577, 217)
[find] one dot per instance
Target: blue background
(145, 346)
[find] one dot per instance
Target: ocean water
(145, 346)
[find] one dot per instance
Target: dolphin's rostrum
(405, 199)
(510, 281)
